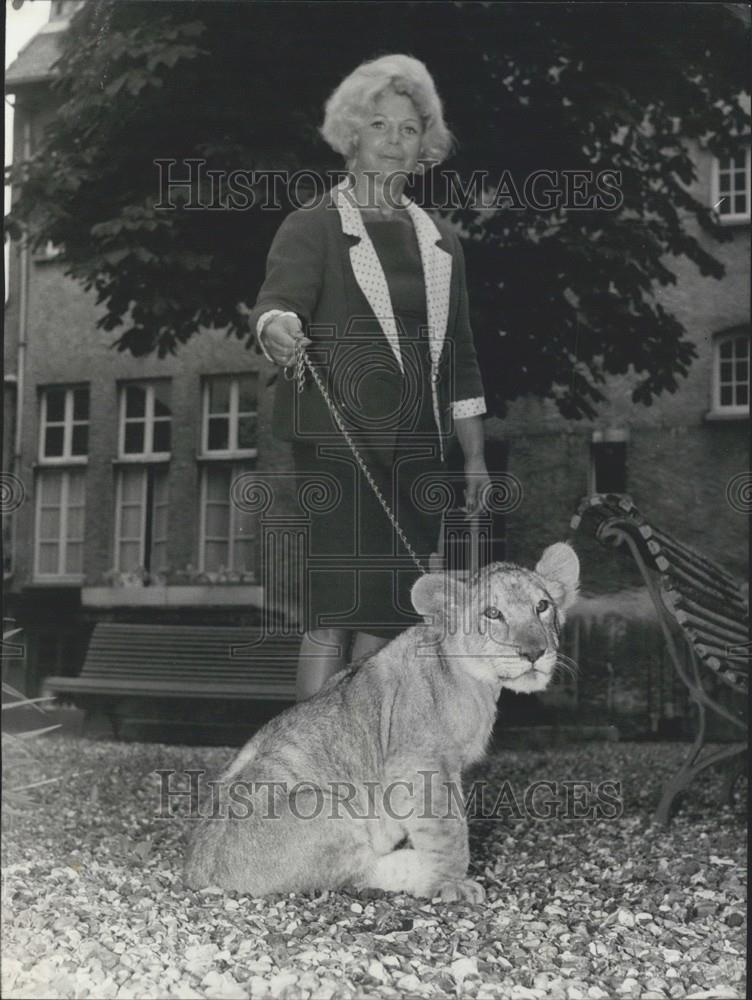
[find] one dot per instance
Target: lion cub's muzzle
(526, 672)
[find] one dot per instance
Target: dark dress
(359, 573)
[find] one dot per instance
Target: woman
(374, 289)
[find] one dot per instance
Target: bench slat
(692, 557)
(715, 600)
(283, 691)
(184, 661)
(202, 678)
(680, 602)
(720, 647)
(730, 636)
(707, 648)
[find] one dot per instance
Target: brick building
(126, 464)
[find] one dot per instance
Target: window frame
(735, 409)
(142, 457)
(68, 423)
(233, 415)
(144, 468)
(731, 218)
(62, 541)
(236, 469)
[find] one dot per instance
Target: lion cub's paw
(464, 889)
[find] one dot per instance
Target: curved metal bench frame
(621, 525)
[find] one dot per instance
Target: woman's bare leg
(364, 644)
(323, 651)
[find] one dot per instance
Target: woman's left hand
(476, 480)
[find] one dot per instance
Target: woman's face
(389, 139)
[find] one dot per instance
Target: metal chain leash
(301, 363)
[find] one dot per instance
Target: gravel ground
(93, 904)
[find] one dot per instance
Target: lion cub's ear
(560, 568)
(435, 594)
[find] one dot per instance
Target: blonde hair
(354, 98)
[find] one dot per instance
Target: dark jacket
(322, 266)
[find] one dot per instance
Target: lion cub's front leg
(431, 813)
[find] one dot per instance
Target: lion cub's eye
(492, 612)
(542, 605)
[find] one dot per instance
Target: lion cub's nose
(532, 654)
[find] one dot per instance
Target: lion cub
(360, 786)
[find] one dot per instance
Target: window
(60, 482)
(731, 372)
(141, 490)
(608, 462)
(60, 508)
(228, 534)
(230, 410)
(141, 518)
(64, 425)
(145, 420)
(731, 187)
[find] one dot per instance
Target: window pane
(49, 523)
(247, 392)
(76, 487)
(218, 484)
(726, 349)
(135, 401)
(160, 486)
(75, 523)
(162, 399)
(219, 395)
(742, 347)
(215, 556)
(219, 434)
(80, 440)
(742, 395)
(74, 557)
(740, 204)
(726, 370)
(50, 488)
(129, 556)
(726, 398)
(130, 522)
(217, 520)
(53, 442)
(132, 484)
(162, 435)
(243, 557)
(159, 525)
(741, 371)
(55, 405)
(48, 557)
(245, 525)
(159, 556)
(134, 439)
(247, 432)
(159, 520)
(81, 404)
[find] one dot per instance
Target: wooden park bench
(700, 606)
(162, 664)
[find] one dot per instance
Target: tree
(560, 298)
